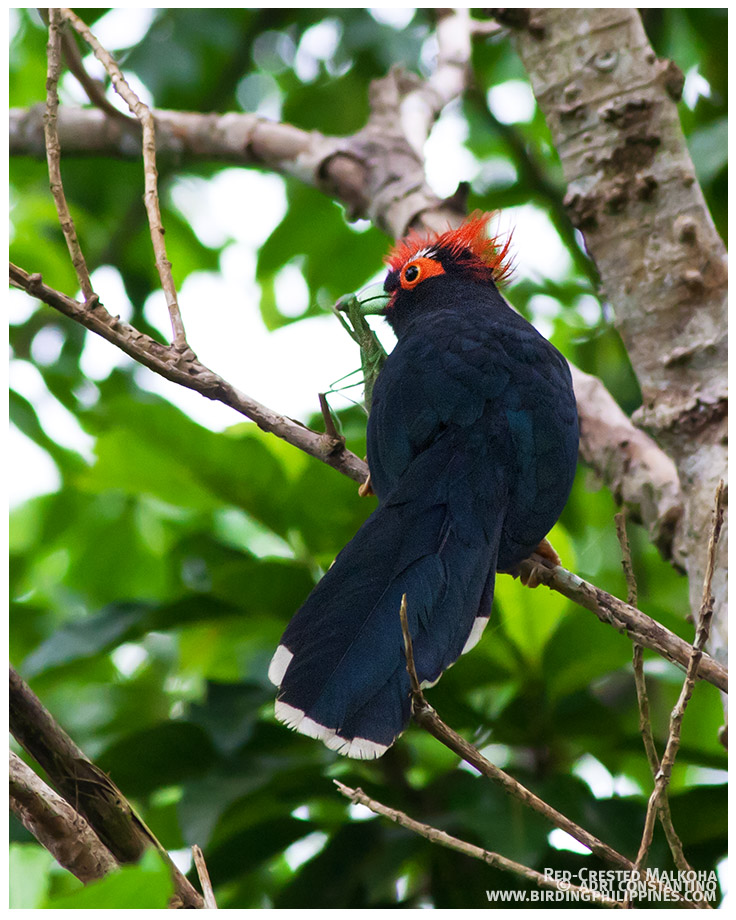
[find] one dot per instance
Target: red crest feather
(490, 252)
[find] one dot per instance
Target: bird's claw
(537, 569)
(366, 488)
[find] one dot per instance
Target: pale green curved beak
(371, 300)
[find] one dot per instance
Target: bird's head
(428, 271)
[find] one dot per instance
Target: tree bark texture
(56, 825)
(611, 107)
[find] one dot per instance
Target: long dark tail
(341, 667)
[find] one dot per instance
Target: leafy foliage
(150, 589)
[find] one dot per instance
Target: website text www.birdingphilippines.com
(617, 885)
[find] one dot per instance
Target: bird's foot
(537, 569)
(366, 488)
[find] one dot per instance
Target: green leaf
(86, 637)
(143, 886)
(29, 871)
(530, 617)
(709, 150)
(152, 448)
(344, 260)
(162, 755)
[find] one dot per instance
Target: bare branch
(330, 428)
(665, 816)
(645, 723)
(329, 163)
(421, 107)
(627, 619)
(416, 688)
(56, 825)
(53, 154)
(427, 717)
(189, 372)
(150, 197)
(434, 835)
(87, 788)
(664, 813)
(701, 637)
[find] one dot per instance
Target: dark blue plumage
(472, 447)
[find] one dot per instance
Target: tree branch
(204, 879)
(187, 371)
(327, 163)
(56, 825)
(626, 619)
(84, 785)
(639, 474)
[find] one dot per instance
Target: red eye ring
(418, 270)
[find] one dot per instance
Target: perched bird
(472, 448)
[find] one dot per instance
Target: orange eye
(418, 270)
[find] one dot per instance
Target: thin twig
(428, 718)
(435, 835)
(94, 88)
(53, 153)
(628, 566)
(204, 878)
(150, 197)
(664, 773)
(645, 724)
(664, 812)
